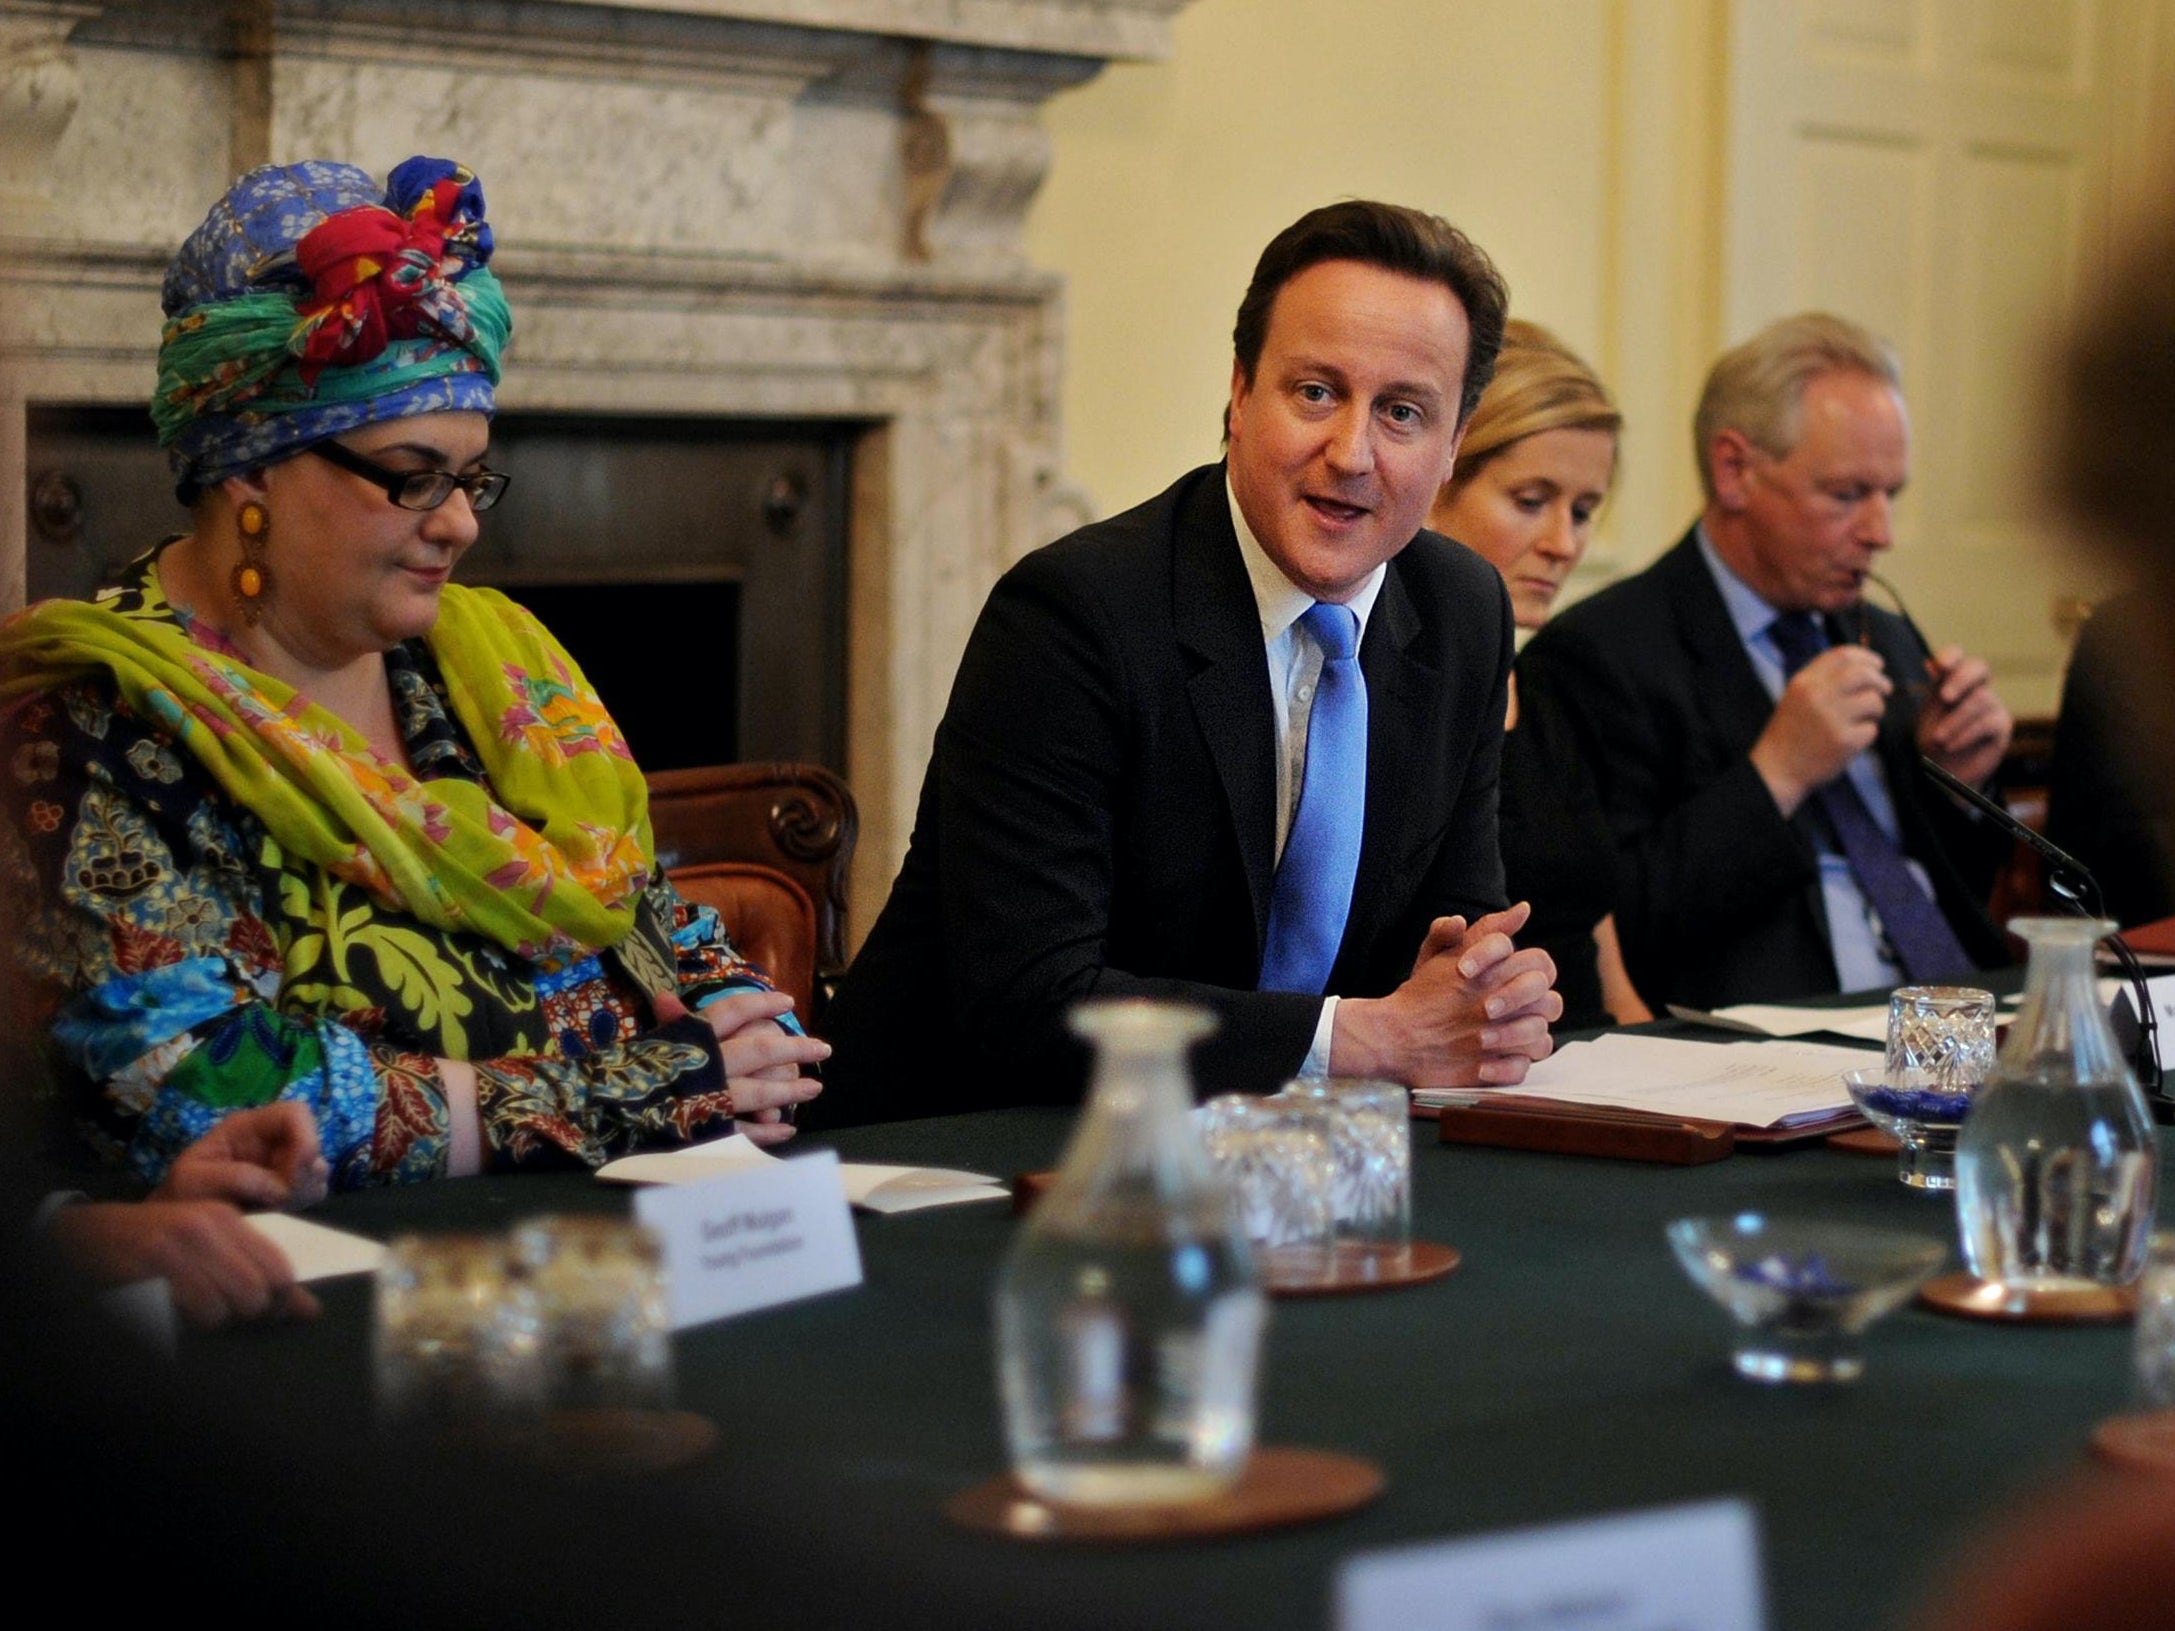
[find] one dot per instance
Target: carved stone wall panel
(708, 172)
(40, 88)
(144, 153)
(97, 311)
(1104, 29)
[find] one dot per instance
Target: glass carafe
(1129, 1317)
(2056, 1164)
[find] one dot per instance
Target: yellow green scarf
(550, 868)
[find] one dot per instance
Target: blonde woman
(1537, 463)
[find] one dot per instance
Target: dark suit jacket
(1647, 685)
(1098, 815)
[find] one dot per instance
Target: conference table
(1567, 1369)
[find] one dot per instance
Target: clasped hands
(762, 1059)
(1831, 711)
(1474, 1013)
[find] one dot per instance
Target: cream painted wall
(1170, 177)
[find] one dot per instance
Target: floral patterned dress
(186, 965)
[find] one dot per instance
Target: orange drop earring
(251, 580)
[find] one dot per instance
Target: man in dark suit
(1238, 746)
(1754, 727)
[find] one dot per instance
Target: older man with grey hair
(1752, 728)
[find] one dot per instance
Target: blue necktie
(1918, 930)
(1313, 894)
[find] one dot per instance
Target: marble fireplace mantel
(769, 208)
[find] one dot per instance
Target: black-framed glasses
(418, 489)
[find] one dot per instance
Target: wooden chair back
(768, 846)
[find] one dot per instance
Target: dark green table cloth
(1567, 1369)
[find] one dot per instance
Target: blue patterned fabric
(344, 1098)
(117, 1022)
(247, 242)
(232, 392)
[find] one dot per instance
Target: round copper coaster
(613, 1443)
(1978, 1299)
(1280, 1487)
(1356, 1269)
(1864, 1141)
(2144, 1442)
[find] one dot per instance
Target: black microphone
(2071, 882)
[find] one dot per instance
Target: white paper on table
(690, 1164)
(1870, 1021)
(316, 1252)
(1691, 1568)
(1758, 1084)
(869, 1185)
(1867, 1020)
(876, 1188)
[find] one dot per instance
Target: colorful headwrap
(309, 303)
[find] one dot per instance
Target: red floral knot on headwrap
(377, 276)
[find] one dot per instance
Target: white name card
(771, 1234)
(1686, 1568)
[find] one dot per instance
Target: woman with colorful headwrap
(299, 818)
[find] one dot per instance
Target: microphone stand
(2071, 882)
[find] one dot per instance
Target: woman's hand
(762, 1059)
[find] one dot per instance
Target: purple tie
(1924, 943)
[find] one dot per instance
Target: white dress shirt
(1295, 665)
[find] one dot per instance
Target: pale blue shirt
(1854, 931)
(1295, 666)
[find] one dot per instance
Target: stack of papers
(871, 1187)
(1753, 1084)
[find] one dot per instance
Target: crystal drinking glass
(1369, 1126)
(604, 1324)
(1940, 1037)
(456, 1334)
(1277, 1156)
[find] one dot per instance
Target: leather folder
(1577, 1129)
(1513, 1121)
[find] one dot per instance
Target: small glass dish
(1920, 1117)
(1803, 1291)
